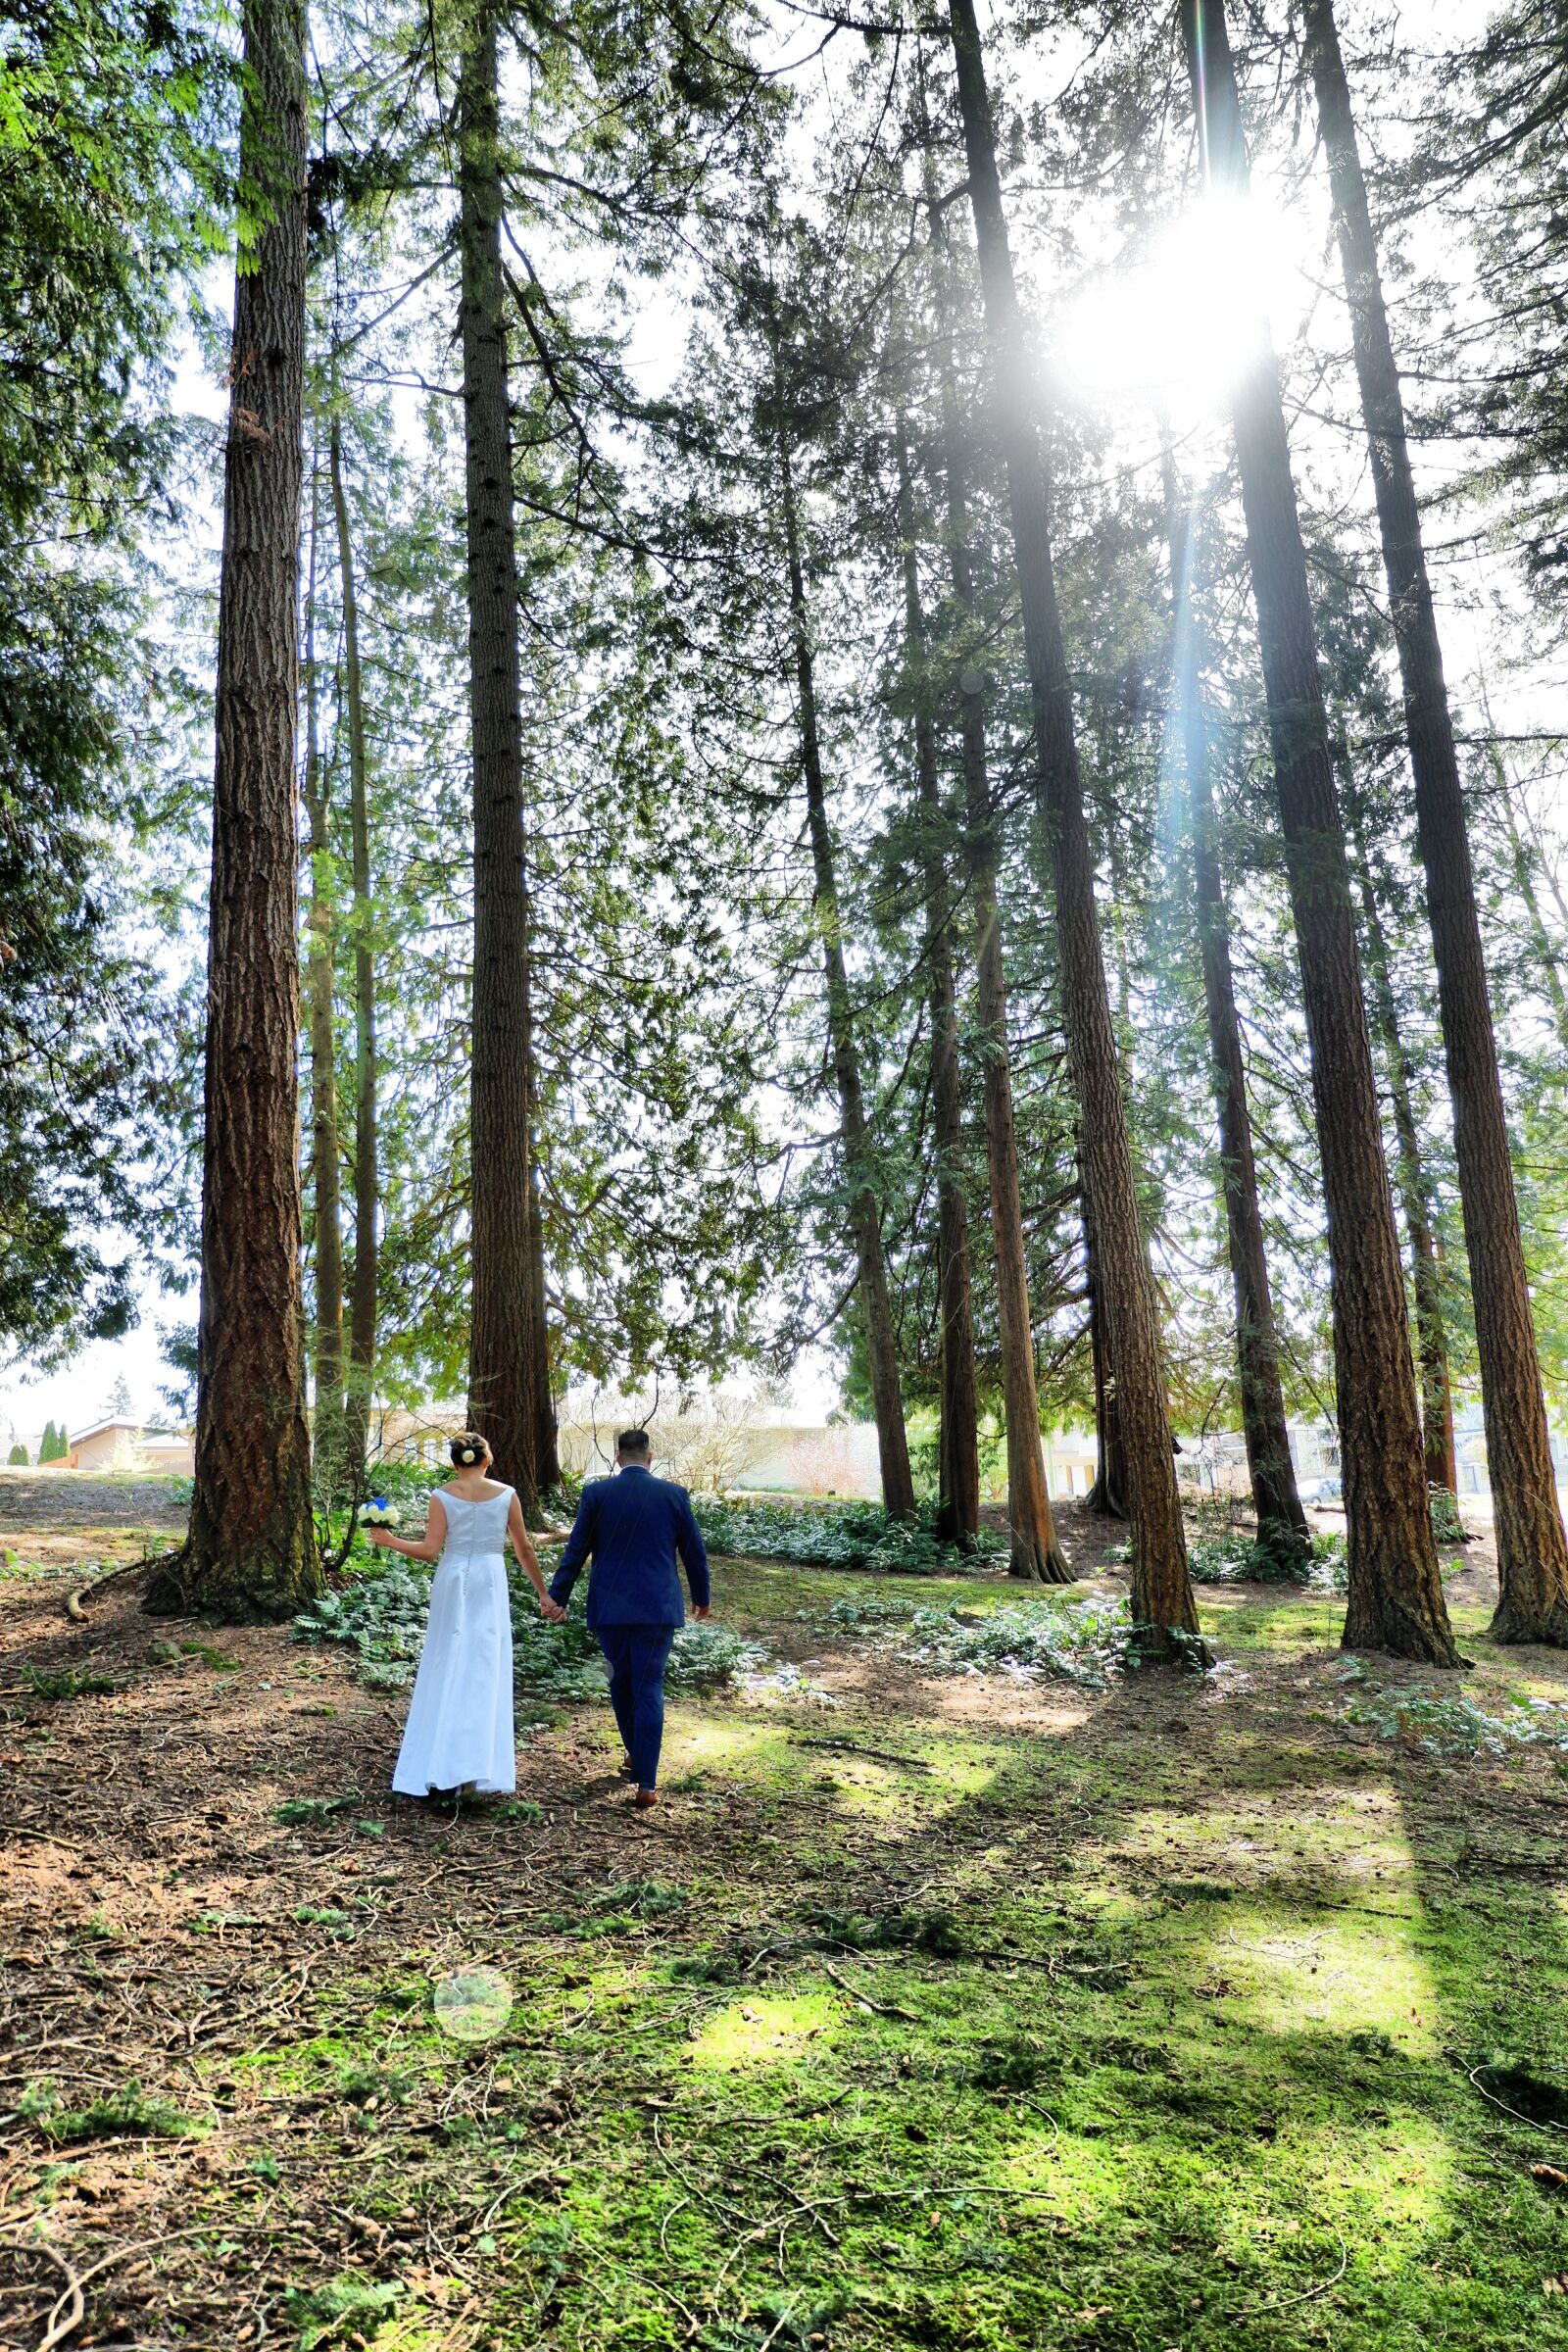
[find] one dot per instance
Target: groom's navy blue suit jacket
(634, 1525)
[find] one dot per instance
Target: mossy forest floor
(959, 2013)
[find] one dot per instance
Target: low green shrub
(380, 1615)
(304, 1812)
(1084, 1642)
(1330, 1571)
(1227, 1559)
(1236, 1557)
(116, 2114)
(933, 1932)
(1447, 1525)
(65, 1682)
(852, 1616)
(706, 1658)
(1449, 1723)
(835, 1535)
(640, 1899)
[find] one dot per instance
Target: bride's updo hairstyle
(469, 1450)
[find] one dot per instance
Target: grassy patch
(65, 1682)
(116, 2114)
(345, 2310)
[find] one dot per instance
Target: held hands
(552, 1611)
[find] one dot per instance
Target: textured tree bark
(1532, 1551)
(367, 1179)
(1396, 1597)
(1109, 1493)
(251, 1550)
(886, 1401)
(508, 1370)
(1437, 1403)
(958, 1519)
(325, 1143)
(1282, 1526)
(1161, 1590)
(1034, 1548)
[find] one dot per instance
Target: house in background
(129, 1447)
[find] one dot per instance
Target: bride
(459, 1732)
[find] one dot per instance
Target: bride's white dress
(460, 1718)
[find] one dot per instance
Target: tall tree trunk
(1396, 1598)
(1109, 1493)
(959, 1450)
(1532, 1551)
(876, 1307)
(367, 1179)
(1161, 1590)
(325, 1143)
(1034, 1548)
(1282, 1528)
(251, 1550)
(507, 1371)
(1437, 1403)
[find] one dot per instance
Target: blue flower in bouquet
(377, 1512)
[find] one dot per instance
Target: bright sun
(1180, 323)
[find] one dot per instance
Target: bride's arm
(528, 1560)
(428, 1547)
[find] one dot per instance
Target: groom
(634, 1525)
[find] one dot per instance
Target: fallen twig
(882, 2008)
(101, 1583)
(1534, 2121)
(56, 2329)
(1287, 2302)
(852, 1747)
(15, 1829)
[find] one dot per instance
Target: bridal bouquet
(377, 1512)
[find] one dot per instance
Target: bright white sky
(1170, 332)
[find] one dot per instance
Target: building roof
(138, 1429)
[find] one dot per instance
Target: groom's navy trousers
(635, 1527)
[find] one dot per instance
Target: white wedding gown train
(460, 1725)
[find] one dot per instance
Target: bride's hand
(552, 1611)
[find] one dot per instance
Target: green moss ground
(1116, 2022)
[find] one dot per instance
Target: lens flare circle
(473, 2005)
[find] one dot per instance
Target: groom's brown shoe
(645, 1797)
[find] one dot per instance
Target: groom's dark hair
(634, 1440)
